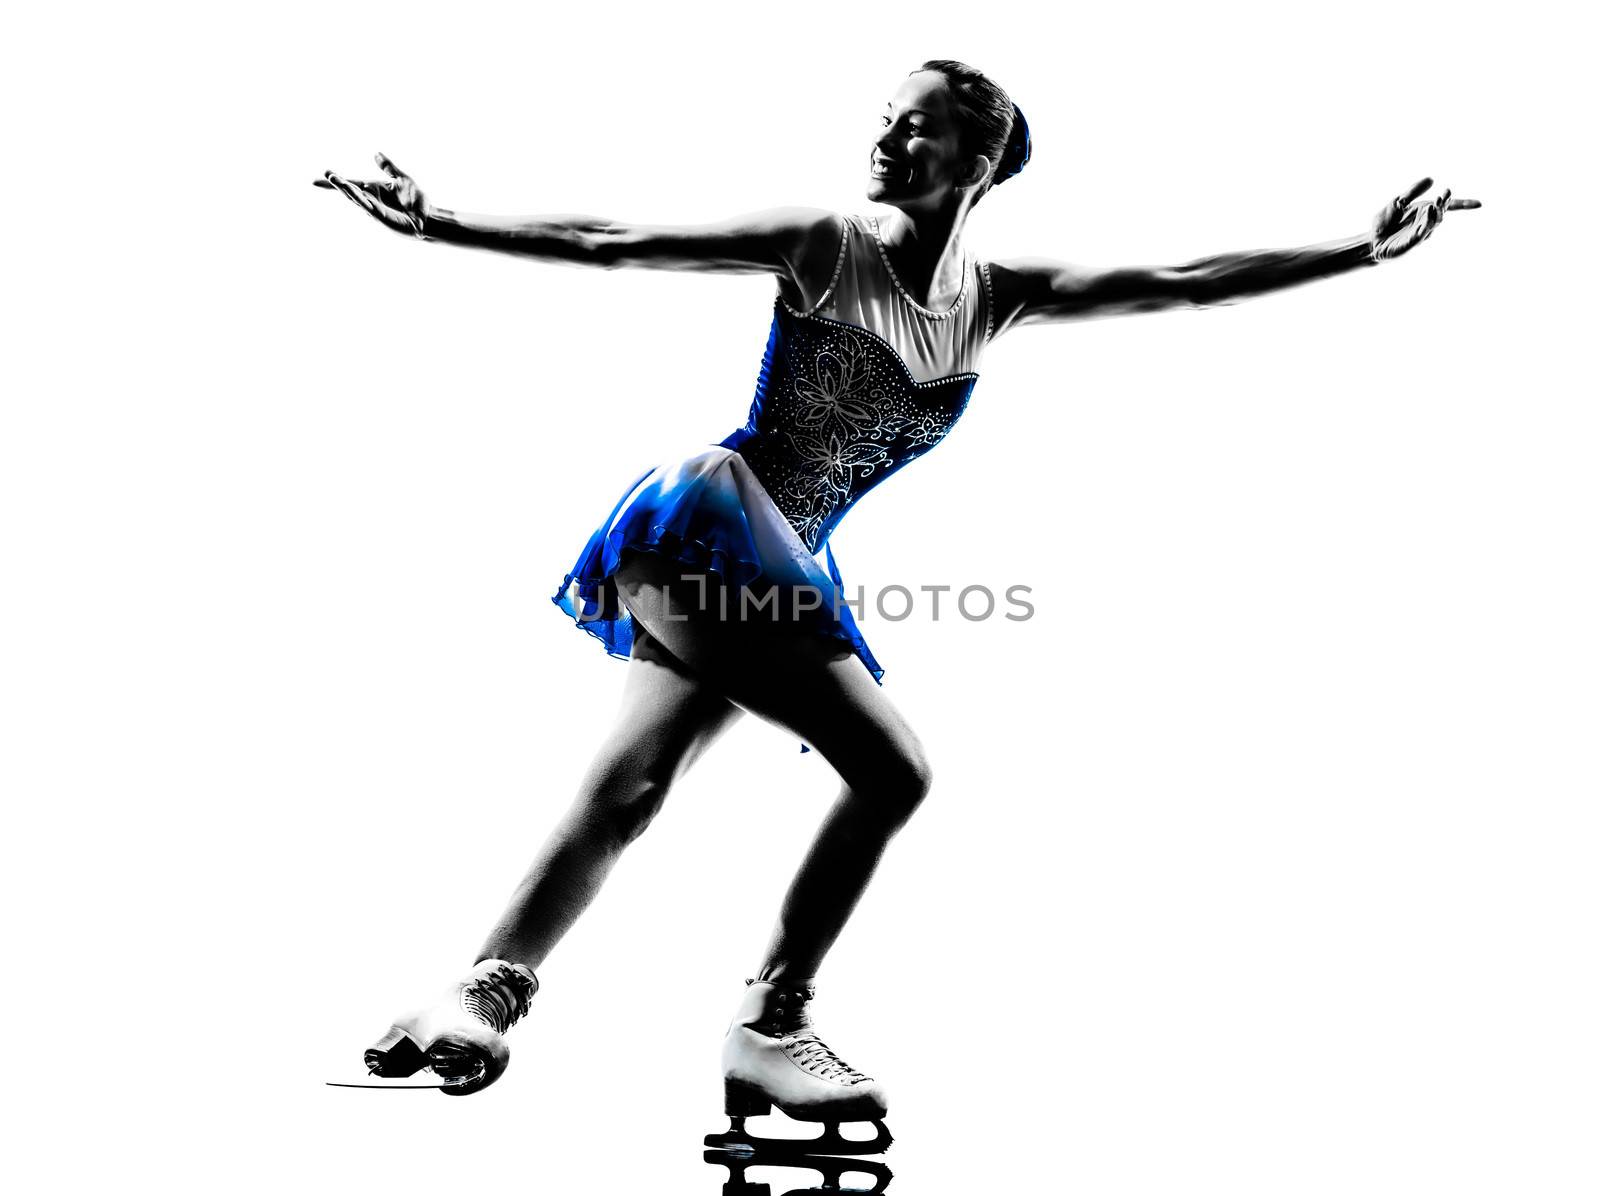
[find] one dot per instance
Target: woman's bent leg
(842, 859)
(667, 720)
(813, 686)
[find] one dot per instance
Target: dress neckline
(961, 297)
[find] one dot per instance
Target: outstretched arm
(1039, 290)
(794, 242)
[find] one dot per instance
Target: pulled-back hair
(990, 123)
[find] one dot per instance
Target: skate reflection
(832, 1170)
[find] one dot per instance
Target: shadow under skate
(832, 1170)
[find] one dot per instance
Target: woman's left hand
(396, 202)
(1407, 221)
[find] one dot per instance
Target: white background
(1260, 861)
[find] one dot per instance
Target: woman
(878, 330)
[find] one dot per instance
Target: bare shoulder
(1016, 285)
(817, 238)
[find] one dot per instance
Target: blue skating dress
(849, 392)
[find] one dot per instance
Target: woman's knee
(916, 780)
(621, 801)
(896, 786)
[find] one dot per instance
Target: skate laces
(817, 1057)
(790, 1023)
(499, 997)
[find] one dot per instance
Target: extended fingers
(1415, 193)
(1438, 207)
(337, 183)
(1447, 204)
(354, 193)
(376, 188)
(386, 164)
(1423, 218)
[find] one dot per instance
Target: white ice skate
(773, 1056)
(460, 1038)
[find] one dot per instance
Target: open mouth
(891, 172)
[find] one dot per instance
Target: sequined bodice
(835, 413)
(837, 407)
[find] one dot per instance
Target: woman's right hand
(396, 201)
(1406, 222)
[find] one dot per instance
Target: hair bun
(1019, 148)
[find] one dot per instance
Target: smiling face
(916, 160)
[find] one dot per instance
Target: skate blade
(397, 1083)
(830, 1143)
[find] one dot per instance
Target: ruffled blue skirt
(709, 511)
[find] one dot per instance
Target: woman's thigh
(667, 718)
(803, 680)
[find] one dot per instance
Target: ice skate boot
(773, 1056)
(461, 1037)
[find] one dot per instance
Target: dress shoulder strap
(864, 291)
(833, 281)
(988, 301)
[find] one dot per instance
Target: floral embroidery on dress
(835, 413)
(924, 431)
(836, 395)
(832, 464)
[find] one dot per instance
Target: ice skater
(714, 574)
